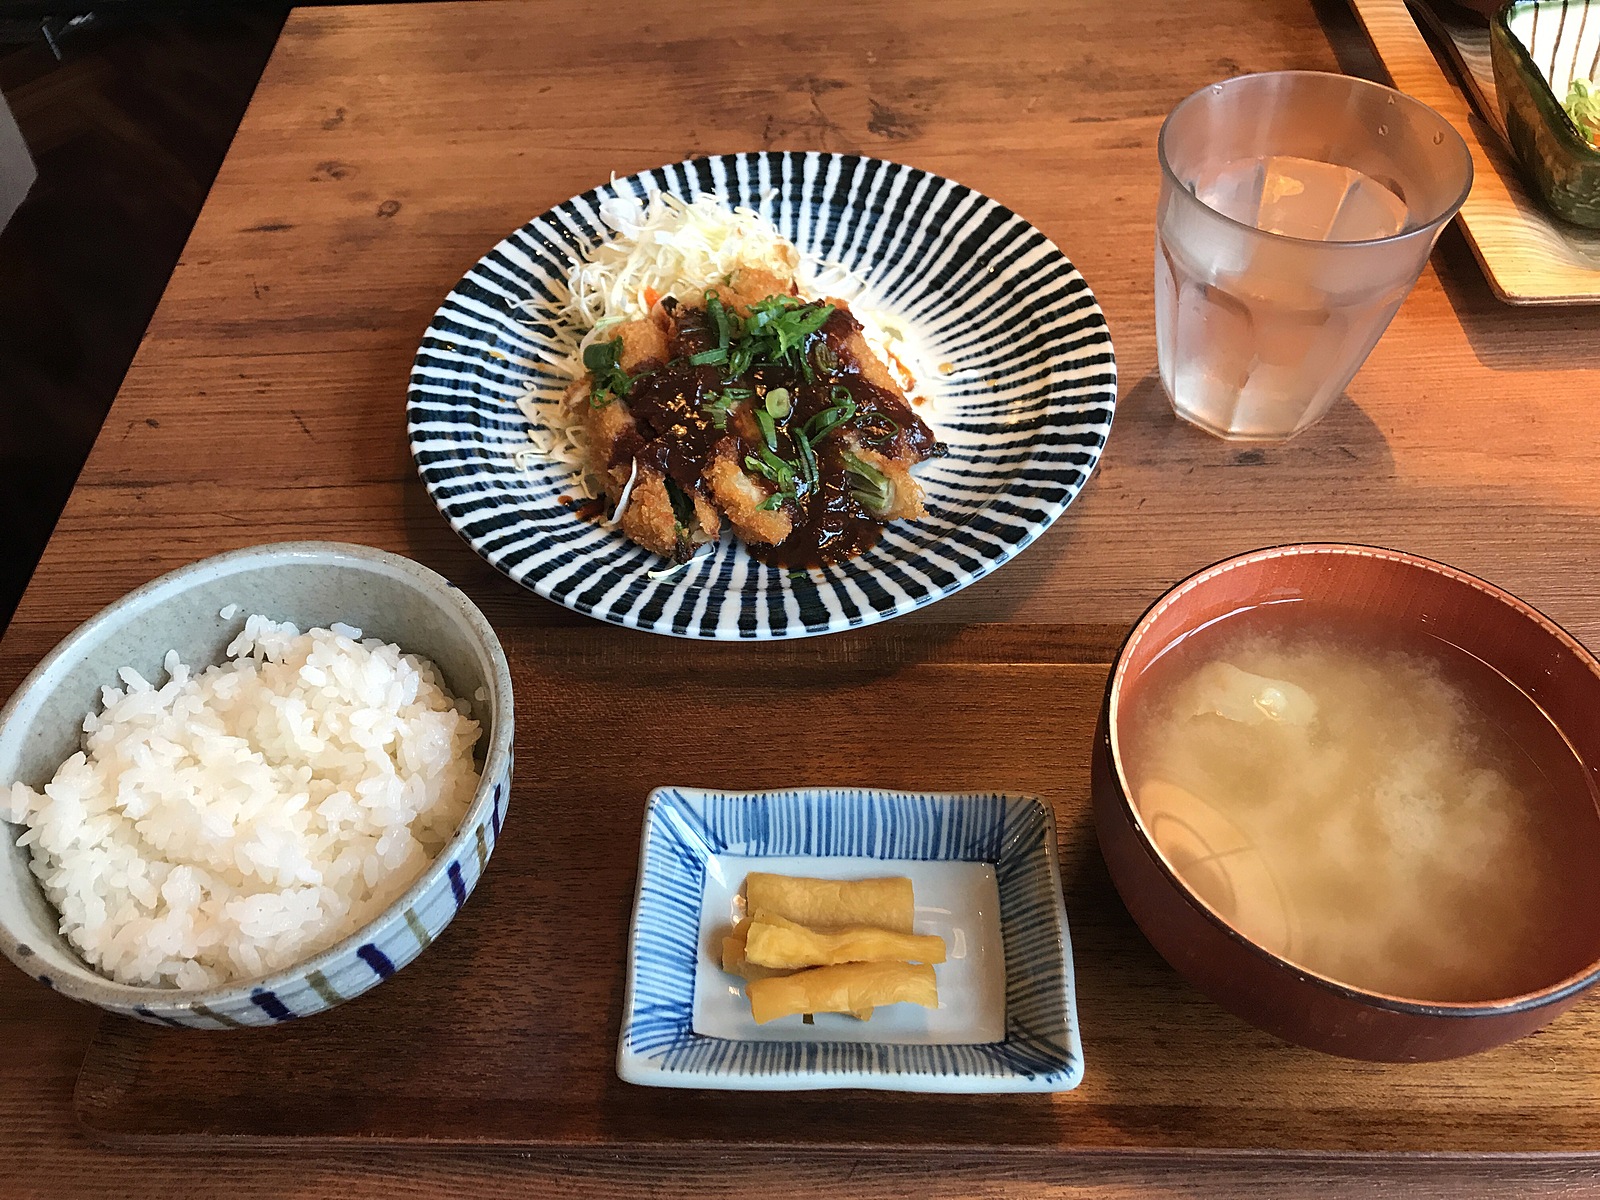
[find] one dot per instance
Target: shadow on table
(1513, 337)
(1147, 433)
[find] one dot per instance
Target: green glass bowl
(1535, 45)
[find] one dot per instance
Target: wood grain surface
(522, 1000)
(386, 149)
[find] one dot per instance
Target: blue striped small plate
(1023, 382)
(986, 878)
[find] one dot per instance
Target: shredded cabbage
(1583, 106)
(670, 247)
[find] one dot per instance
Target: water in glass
(1250, 344)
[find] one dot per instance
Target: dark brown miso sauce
(677, 437)
(1428, 833)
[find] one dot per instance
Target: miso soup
(1371, 803)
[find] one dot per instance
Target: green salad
(1583, 106)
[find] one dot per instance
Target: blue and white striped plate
(1024, 406)
(986, 878)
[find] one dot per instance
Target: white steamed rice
(234, 822)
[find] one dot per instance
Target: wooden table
(389, 146)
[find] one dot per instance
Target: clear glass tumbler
(1297, 210)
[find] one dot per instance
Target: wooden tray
(1529, 256)
(505, 1030)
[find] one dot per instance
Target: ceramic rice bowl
(310, 584)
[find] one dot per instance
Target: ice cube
(1321, 201)
(1234, 189)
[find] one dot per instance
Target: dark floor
(127, 128)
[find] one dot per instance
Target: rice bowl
(310, 584)
(241, 817)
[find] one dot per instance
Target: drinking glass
(1297, 210)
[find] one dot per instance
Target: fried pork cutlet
(644, 342)
(673, 527)
(750, 286)
(902, 495)
(741, 495)
(658, 523)
(757, 407)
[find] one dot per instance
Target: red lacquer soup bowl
(1285, 999)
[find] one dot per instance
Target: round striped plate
(1023, 397)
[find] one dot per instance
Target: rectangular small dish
(987, 880)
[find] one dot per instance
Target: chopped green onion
(741, 358)
(777, 329)
(603, 361)
(878, 438)
(720, 318)
(778, 403)
(602, 356)
(808, 461)
(770, 466)
(770, 503)
(869, 485)
(769, 431)
(830, 418)
(717, 407)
